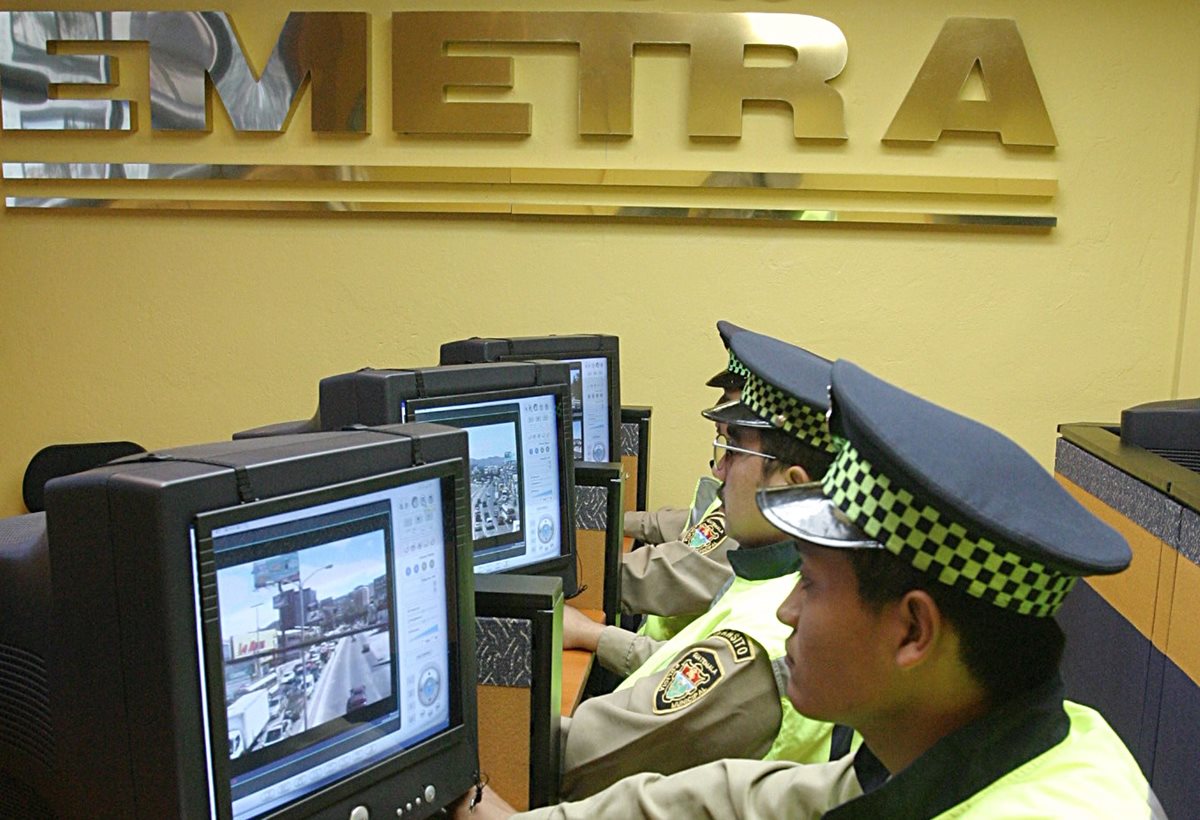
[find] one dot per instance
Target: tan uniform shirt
(659, 724)
(679, 577)
(673, 578)
(621, 651)
(746, 789)
(656, 526)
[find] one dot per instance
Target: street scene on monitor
(495, 480)
(306, 639)
(577, 408)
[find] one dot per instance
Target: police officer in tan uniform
(676, 578)
(935, 555)
(714, 689)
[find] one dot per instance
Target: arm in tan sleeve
(656, 526)
(673, 578)
(743, 789)
(622, 651)
(710, 702)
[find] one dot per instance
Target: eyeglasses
(721, 447)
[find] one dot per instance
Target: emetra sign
(328, 53)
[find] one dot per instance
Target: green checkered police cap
(951, 497)
(787, 388)
(733, 377)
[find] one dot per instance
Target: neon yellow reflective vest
(1035, 756)
(1089, 774)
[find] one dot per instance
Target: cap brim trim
(736, 413)
(803, 511)
(726, 380)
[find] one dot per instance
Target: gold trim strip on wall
(606, 177)
(774, 215)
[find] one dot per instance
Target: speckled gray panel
(591, 508)
(1140, 503)
(1189, 535)
(630, 438)
(504, 651)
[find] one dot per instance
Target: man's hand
(490, 807)
(580, 631)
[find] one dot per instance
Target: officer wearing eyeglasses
(714, 690)
(675, 579)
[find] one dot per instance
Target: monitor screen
(589, 408)
(594, 361)
(517, 473)
(330, 631)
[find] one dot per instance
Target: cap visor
(726, 381)
(803, 511)
(734, 412)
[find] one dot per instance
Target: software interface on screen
(589, 408)
(515, 505)
(334, 640)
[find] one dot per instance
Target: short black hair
(791, 450)
(1007, 653)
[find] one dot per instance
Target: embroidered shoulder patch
(741, 646)
(687, 680)
(707, 534)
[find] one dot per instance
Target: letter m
(330, 49)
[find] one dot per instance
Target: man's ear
(922, 628)
(795, 474)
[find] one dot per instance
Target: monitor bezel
(481, 349)
(562, 565)
(458, 590)
(614, 391)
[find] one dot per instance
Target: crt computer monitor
(518, 419)
(594, 361)
(517, 472)
(276, 627)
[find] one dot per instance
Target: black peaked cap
(731, 378)
(975, 475)
(793, 370)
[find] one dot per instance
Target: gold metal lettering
(1014, 108)
(422, 71)
(720, 81)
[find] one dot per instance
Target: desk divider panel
(1133, 639)
(518, 628)
(635, 455)
(599, 537)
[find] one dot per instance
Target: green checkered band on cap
(787, 413)
(931, 542)
(735, 366)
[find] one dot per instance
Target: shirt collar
(764, 563)
(964, 762)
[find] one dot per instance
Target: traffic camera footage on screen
(515, 477)
(334, 639)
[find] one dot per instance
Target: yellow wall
(180, 329)
(1189, 335)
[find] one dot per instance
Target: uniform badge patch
(739, 644)
(707, 534)
(687, 680)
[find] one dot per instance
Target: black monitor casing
(577, 346)
(372, 396)
(123, 734)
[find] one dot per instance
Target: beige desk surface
(576, 666)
